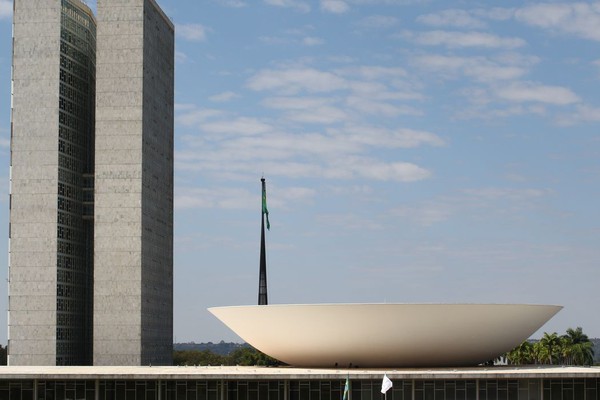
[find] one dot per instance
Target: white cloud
(228, 198)
(192, 32)
(224, 97)
(374, 107)
(425, 215)
(400, 138)
(495, 193)
(378, 22)
(232, 3)
(297, 5)
(322, 115)
(334, 6)
(295, 80)
(479, 68)
(312, 41)
(528, 91)
(180, 57)
(396, 171)
(582, 114)
(193, 116)
(465, 39)
(453, 18)
(236, 126)
(6, 9)
(576, 18)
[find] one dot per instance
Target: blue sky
(414, 151)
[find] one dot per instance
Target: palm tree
(577, 347)
(522, 354)
(549, 348)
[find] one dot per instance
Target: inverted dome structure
(385, 335)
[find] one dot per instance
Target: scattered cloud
(378, 22)
(224, 97)
(582, 114)
(180, 57)
(349, 221)
(576, 18)
(192, 32)
(186, 198)
(232, 3)
(334, 6)
(464, 39)
(300, 6)
(495, 193)
(481, 69)
(452, 18)
(529, 91)
(312, 41)
(294, 80)
(425, 215)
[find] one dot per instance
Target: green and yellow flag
(265, 211)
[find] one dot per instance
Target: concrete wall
(134, 185)
(34, 175)
(157, 188)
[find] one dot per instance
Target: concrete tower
(133, 240)
(51, 228)
(91, 210)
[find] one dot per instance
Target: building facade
(256, 383)
(133, 257)
(90, 236)
(52, 139)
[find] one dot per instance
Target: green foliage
(246, 356)
(573, 348)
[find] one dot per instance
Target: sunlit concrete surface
(385, 335)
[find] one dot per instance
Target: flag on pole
(386, 384)
(265, 211)
(347, 389)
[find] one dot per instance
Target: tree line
(246, 356)
(572, 348)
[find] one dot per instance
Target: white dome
(385, 335)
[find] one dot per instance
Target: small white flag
(386, 384)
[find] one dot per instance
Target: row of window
(74, 39)
(72, 277)
(76, 82)
(326, 390)
(69, 163)
(75, 95)
(68, 205)
(71, 220)
(69, 177)
(79, 138)
(70, 263)
(70, 192)
(72, 108)
(67, 233)
(86, 59)
(67, 319)
(68, 305)
(70, 249)
(74, 67)
(70, 291)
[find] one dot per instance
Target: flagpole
(262, 279)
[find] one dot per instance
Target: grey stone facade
(68, 256)
(52, 132)
(133, 276)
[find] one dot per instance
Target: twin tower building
(91, 184)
